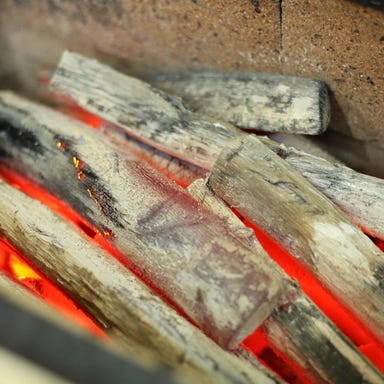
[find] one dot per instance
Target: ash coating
(300, 320)
(94, 188)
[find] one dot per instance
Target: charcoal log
(185, 250)
(164, 122)
(357, 195)
(114, 296)
(145, 112)
(175, 169)
(260, 101)
(270, 193)
(298, 328)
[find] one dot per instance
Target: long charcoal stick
(145, 112)
(113, 95)
(267, 191)
(182, 172)
(260, 101)
(308, 144)
(316, 345)
(175, 169)
(44, 336)
(108, 84)
(360, 196)
(112, 294)
(181, 247)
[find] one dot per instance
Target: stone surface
(341, 43)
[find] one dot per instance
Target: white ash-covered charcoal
(204, 195)
(180, 246)
(274, 196)
(304, 143)
(360, 196)
(182, 172)
(174, 168)
(298, 328)
(301, 331)
(114, 296)
(147, 113)
(260, 101)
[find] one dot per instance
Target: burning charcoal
(90, 83)
(184, 249)
(359, 196)
(145, 112)
(60, 344)
(297, 328)
(51, 149)
(128, 309)
(259, 101)
(163, 122)
(175, 169)
(268, 192)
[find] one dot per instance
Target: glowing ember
(12, 264)
(341, 316)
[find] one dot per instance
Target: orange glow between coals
(12, 264)
(16, 268)
(346, 321)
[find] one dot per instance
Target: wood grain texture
(302, 332)
(307, 144)
(164, 126)
(114, 296)
(147, 113)
(275, 197)
(181, 247)
(298, 328)
(182, 172)
(204, 195)
(259, 101)
(357, 195)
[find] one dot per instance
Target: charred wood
(145, 112)
(297, 327)
(259, 101)
(183, 248)
(121, 303)
(270, 193)
(34, 330)
(114, 95)
(360, 196)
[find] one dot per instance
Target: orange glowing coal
(16, 268)
(347, 322)
(257, 343)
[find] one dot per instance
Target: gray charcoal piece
(257, 101)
